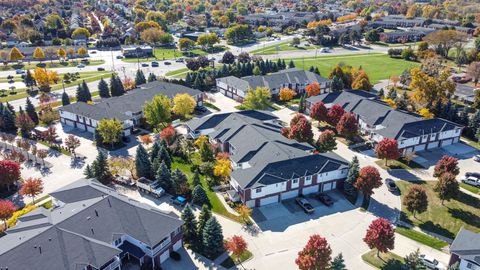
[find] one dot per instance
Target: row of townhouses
(268, 167)
(90, 227)
(293, 78)
(128, 108)
(378, 120)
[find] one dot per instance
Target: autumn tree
(380, 235)
(222, 168)
(237, 246)
(158, 111)
(185, 44)
(315, 255)
(414, 261)
(446, 164)
(15, 55)
(258, 99)
(45, 78)
(31, 187)
(300, 129)
(72, 143)
(286, 94)
(82, 52)
(416, 200)
(81, 33)
(42, 154)
(447, 187)
(368, 179)
(151, 35)
(319, 112)
(244, 212)
(326, 141)
(473, 70)
(24, 124)
(110, 131)
(347, 126)
(361, 81)
(334, 114)
(38, 54)
(313, 89)
(119, 165)
(9, 173)
(183, 104)
(431, 89)
(61, 53)
(444, 40)
(7, 208)
(387, 149)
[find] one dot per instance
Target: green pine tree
(349, 184)
(140, 77)
(116, 86)
(165, 156)
(164, 177)
(142, 163)
(205, 215)
(337, 84)
(30, 109)
(179, 181)
(152, 77)
(88, 172)
(291, 64)
(189, 226)
(29, 80)
(100, 169)
(8, 119)
(301, 104)
(199, 196)
(103, 89)
(154, 151)
(88, 95)
(212, 238)
(65, 99)
(338, 263)
(196, 179)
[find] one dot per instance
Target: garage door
(309, 190)
(447, 142)
(81, 126)
(289, 194)
(177, 245)
(165, 256)
(420, 147)
(69, 123)
(91, 129)
(250, 204)
(432, 145)
(269, 200)
(327, 186)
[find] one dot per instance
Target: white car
(476, 158)
(432, 263)
(324, 50)
(471, 180)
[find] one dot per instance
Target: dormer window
(258, 190)
(295, 181)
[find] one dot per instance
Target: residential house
(377, 120)
(293, 78)
(394, 21)
(465, 93)
(268, 167)
(138, 52)
(465, 249)
(411, 35)
(128, 109)
(90, 226)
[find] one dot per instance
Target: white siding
(267, 190)
(309, 190)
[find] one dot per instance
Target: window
(118, 242)
(295, 181)
(308, 178)
(258, 190)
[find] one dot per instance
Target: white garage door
(327, 186)
(447, 142)
(91, 129)
(81, 126)
(455, 140)
(164, 256)
(177, 245)
(269, 200)
(309, 190)
(289, 194)
(432, 145)
(420, 147)
(69, 123)
(250, 204)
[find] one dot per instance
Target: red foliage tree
(319, 112)
(315, 255)
(347, 126)
(301, 129)
(32, 187)
(368, 179)
(313, 89)
(380, 235)
(168, 134)
(237, 245)
(72, 143)
(326, 141)
(446, 164)
(9, 173)
(7, 208)
(334, 114)
(387, 149)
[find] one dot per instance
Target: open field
(171, 53)
(284, 46)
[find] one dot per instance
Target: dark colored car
(474, 174)
(144, 65)
(155, 64)
(101, 69)
(325, 199)
(167, 63)
(392, 187)
(178, 200)
(200, 109)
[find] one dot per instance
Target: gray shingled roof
(81, 231)
(467, 245)
(132, 101)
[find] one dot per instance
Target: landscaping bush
(175, 256)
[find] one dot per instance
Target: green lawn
(54, 64)
(230, 261)
(171, 53)
(473, 144)
(217, 205)
(283, 46)
(175, 73)
(386, 261)
(398, 164)
(377, 66)
(421, 238)
(470, 188)
(444, 219)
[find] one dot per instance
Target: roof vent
(96, 212)
(93, 232)
(88, 218)
(40, 250)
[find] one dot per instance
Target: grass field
(386, 261)
(444, 219)
(170, 53)
(421, 238)
(54, 64)
(377, 66)
(283, 46)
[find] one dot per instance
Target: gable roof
(467, 245)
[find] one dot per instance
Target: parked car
(392, 187)
(180, 60)
(122, 180)
(325, 199)
(101, 69)
(324, 50)
(200, 109)
(119, 57)
(144, 64)
(432, 263)
(81, 66)
(19, 71)
(473, 174)
(93, 52)
(167, 63)
(476, 158)
(155, 64)
(305, 204)
(473, 181)
(178, 200)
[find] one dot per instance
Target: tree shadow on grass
(465, 216)
(436, 228)
(468, 199)
(393, 264)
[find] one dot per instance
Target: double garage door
(269, 200)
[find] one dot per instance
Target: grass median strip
(421, 238)
(385, 261)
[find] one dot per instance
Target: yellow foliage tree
(15, 54)
(361, 81)
(82, 52)
(390, 102)
(45, 78)
(61, 53)
(244, 212)
(201, 140)
(425, 113)
(38, 54)
(286, 94)
(222, 168)
(428, 89)
(183, 104)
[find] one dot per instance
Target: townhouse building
(293, 78)
(90, 227)
(465, 250)
(128, 109)
(268, 167)
(377, 120)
